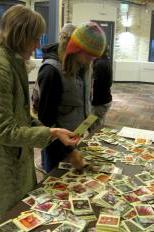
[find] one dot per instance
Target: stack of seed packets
(106, 199)
(107, 222)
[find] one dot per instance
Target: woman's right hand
(75, 158)
(65, 136)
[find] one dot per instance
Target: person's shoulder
(48, 73)
(102, 60)
(46, 68)
(99, 61)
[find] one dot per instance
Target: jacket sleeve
(50, 85)
(12, 133)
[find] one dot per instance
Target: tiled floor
(133, 105)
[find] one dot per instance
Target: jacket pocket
(19, 152)
(14, 152)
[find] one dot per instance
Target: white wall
(32, 76)
(134, 71)
(98, 10)
(127, 71)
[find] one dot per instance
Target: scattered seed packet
(29, 200)
(131, 226)
(144, 210)
(28, 222)
(144, 177)
(65, 166)
(46, 207)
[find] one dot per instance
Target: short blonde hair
(19, 27)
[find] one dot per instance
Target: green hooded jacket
(17, 136)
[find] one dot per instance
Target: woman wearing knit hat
(87, 42)
(64, 82)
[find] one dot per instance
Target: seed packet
(28, 222)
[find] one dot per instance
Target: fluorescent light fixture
(124, 7)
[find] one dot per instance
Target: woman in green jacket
(20, 31)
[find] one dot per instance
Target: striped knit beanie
(89, 38)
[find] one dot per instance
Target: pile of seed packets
(98, 198)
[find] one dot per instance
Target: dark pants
(53, 154)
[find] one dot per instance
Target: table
(129, 170)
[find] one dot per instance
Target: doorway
(108, 28)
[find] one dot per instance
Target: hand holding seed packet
(85, 125)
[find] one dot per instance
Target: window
(151, 47)
(43, 9)
(5, 5)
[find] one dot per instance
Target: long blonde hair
(70, 65)
(19, 27)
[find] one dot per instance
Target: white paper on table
(129, 132)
